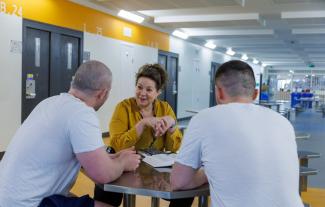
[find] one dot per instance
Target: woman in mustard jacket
(145, 122)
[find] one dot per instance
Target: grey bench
(304, 157)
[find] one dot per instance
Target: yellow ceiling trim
(74, 16)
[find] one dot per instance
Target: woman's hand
(150, 121)
(163, 124)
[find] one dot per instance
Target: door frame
(171, 55)
(212, 98)
(53, 30)
(260, 88)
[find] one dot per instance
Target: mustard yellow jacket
(123, 132)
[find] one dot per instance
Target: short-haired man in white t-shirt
(246, 152)
(61, 134)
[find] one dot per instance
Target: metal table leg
(203, 201)
(128, 200)
(154, 202)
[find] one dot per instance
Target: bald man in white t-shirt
(60, 135)
(246, 152)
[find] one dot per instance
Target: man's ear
(101, 93)
(254, 96)
(219, 94)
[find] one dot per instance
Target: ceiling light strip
(130, 16)
(207, 18)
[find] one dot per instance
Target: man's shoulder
(69, 105)
(206, 114)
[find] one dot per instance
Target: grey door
(170, 62)
(65, 64)
(214, 68)
(51, 56)
(162, 60)
(36, 67)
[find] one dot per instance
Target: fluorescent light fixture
(313, 75)
(291, 71)
(130, 16)
(244, 57)
(255, 61)
(264, 65)
(180, 34)
(230, 52)
(210, 45)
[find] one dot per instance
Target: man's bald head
(237, 78)
(92, 76)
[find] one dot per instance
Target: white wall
(124, 59)
(10, 78)
(194, 75)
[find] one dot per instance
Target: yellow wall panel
(70, 15)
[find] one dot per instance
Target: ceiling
(282, 34)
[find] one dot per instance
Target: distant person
(247, 152)
(143, 121)
(61, 134)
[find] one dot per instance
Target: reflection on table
(147, 181)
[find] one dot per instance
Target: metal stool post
(203, 201)
(128, 200)
(154, 202)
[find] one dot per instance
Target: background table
(302, 135)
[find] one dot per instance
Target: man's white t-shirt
(248, 153)
(41, 158)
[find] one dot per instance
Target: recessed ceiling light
(264, 65)
(130, 16)
(255, 61)
(180, 34)
(210, 45)
(230, 52)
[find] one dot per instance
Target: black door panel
(51, 56)
(36, 66)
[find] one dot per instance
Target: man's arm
(101, 168)
(184, 177)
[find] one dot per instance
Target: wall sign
(16, 46)
(11, 9)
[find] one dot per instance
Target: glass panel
(69, 52)
(37, 52)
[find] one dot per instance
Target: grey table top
(147, 181)
(192, 111)
(302, 135)
(308, 155)
(305, 171)
(269, 103)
